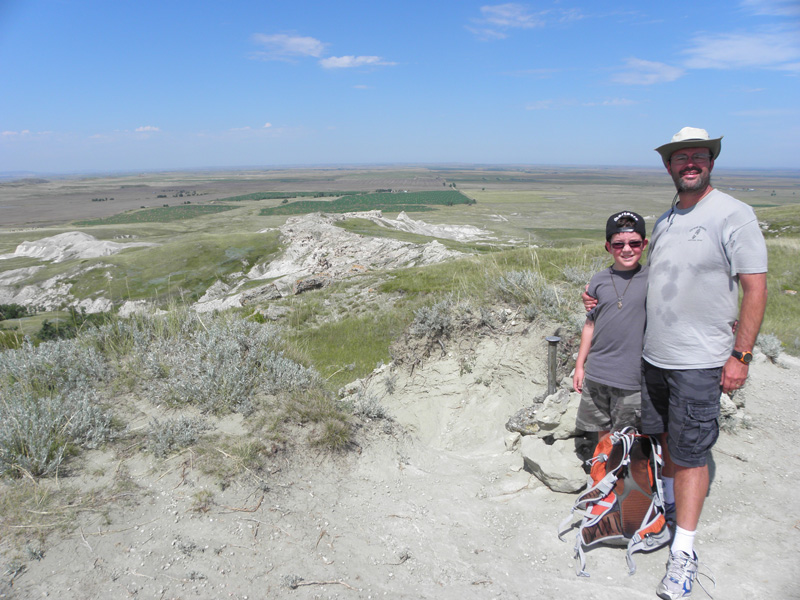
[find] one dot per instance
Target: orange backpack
(624, 504)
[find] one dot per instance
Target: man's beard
(703, 181)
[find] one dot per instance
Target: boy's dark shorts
(686, 405)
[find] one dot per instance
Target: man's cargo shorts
(686, 405)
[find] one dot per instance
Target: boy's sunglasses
(621, 245)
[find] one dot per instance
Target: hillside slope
(431, 505)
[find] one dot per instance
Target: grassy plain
(551, 208)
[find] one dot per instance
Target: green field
(282, 196)
(164, 214)
(400, 201)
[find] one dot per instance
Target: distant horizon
(20, 175)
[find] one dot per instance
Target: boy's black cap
(613, 226)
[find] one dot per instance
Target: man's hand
(734, 374)
(754, 301)
(589, 302)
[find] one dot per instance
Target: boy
(609, 365)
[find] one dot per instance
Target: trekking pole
(552, 353)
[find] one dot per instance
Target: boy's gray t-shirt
(695, 257)
(615, 356)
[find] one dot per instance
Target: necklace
(619, 298)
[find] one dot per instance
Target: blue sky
(121, 85)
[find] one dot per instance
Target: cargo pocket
(701, 429)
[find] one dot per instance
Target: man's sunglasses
(620, 245)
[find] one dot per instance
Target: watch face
(746, 357)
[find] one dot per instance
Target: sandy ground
(431, 505)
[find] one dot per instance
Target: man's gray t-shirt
(615, 356)
(695, 257)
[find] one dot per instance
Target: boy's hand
(577, 379)
(589, 302)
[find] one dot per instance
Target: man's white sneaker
(681, 573)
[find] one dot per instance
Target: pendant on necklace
(619, 303)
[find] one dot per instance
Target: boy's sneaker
(681, 573)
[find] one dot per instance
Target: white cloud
(771, 50)
(776, 8)
(24, 133)
(510, 16)
(646, 72)
(147, 128)
(361, 86)
(347, 62)
(571, 14)
(287, 47)
(497, 20)
(485, 34)
(267, 125)
(280, 46)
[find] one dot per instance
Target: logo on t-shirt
(698, 234)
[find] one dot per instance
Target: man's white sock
(683, 542)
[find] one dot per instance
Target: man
(701, 250)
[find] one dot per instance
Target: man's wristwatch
(745, 357)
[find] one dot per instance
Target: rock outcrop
(317, 252)
(556, 465)
(72, 244)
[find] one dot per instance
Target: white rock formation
(461, 233)
(315, 246)
(65, 246)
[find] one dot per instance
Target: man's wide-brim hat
(690, 137)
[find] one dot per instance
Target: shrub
(171, 434)
(770, 345)
(367, 406)
(217, 363)
(69, 328)
(532, 288)
(62, 366)
(580, 275)
(37, 432)
(12, 311)
(434, 321)
(48, 405)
